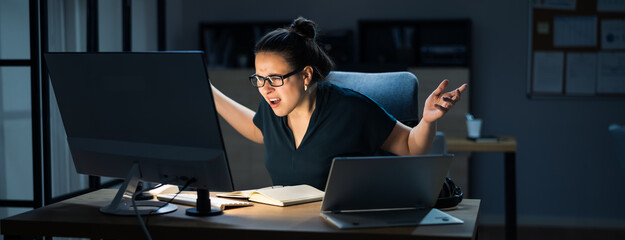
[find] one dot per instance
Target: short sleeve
(261, 113)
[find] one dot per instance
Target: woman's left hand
(438, 103)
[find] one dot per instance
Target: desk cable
(134, 206)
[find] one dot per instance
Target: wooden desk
(507, 145)
(80, 217)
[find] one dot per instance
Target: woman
(304, 122)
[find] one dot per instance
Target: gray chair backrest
(394, 91)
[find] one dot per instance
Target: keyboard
(190, 199)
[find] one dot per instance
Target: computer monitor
(146, 116)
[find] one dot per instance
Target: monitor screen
(152, 110)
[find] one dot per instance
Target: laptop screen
(385, 182)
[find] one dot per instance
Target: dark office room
(537, 138)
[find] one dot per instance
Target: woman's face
(287, 97)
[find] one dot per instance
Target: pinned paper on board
(610, 5)
(548, 72)
(556, 4)
(613, 34)
(575, 31)
(581, 73)
(611, 73)
(542, 28)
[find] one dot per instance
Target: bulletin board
(577, 48)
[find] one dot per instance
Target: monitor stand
(143, 195)
(122, 203)
(203, 205)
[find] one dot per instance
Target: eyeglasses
(274, 80)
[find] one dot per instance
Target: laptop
(386, 191)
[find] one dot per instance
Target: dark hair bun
(304, 27)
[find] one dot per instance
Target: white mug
(474, 127)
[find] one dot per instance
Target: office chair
(394, 91)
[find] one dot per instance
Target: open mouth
(274, 102)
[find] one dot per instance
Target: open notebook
(386, 191)
(279, 195)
